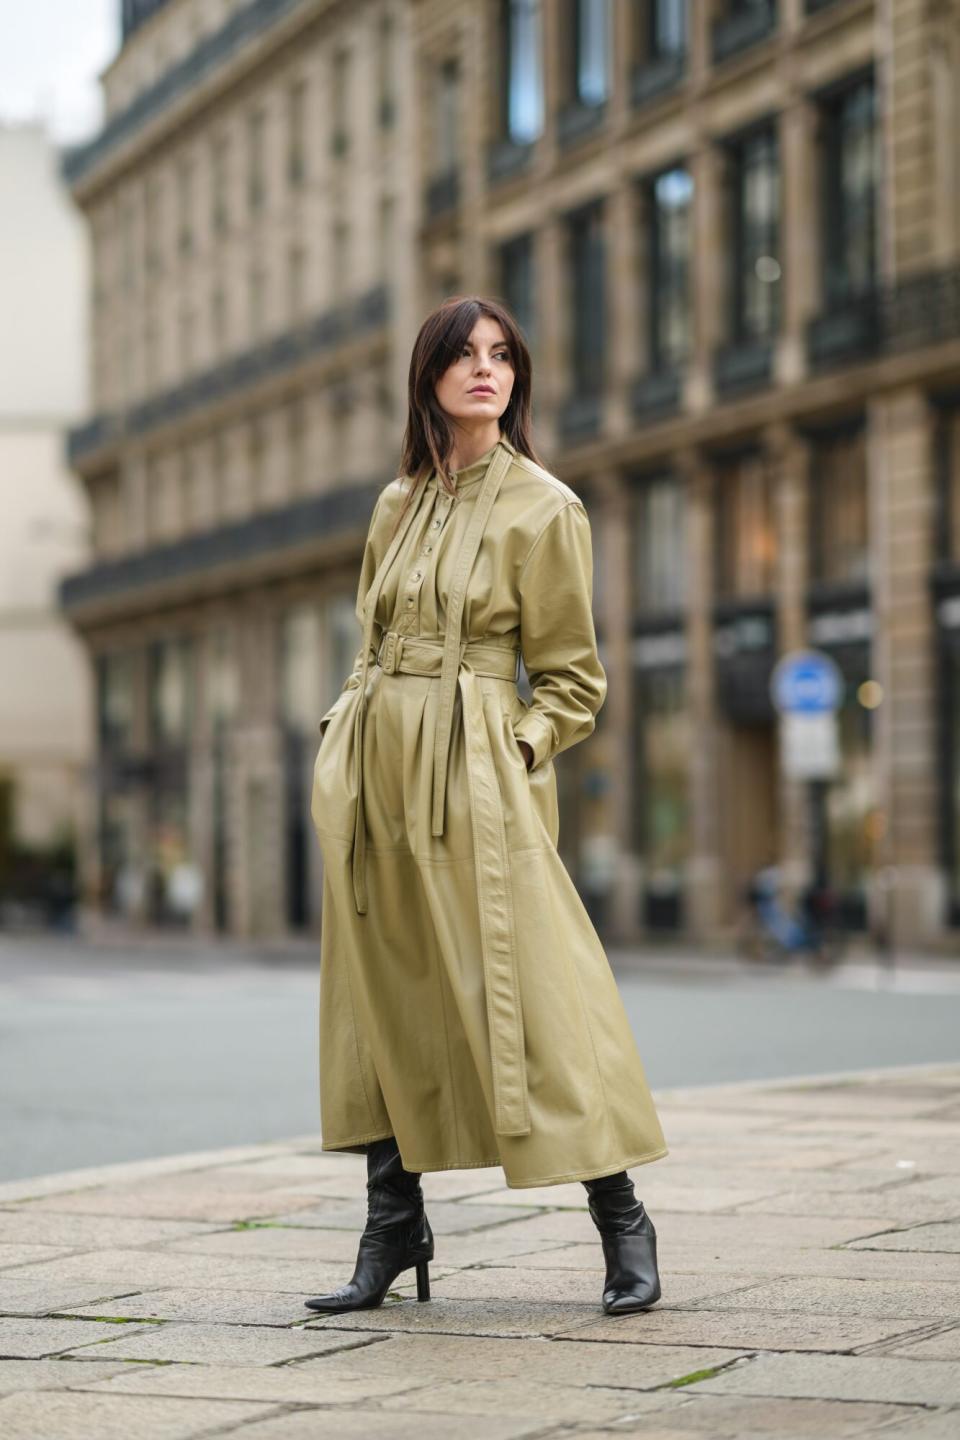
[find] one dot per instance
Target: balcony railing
(581, 415)
(506, 158)
(317, 517)
(179, 80)
(743, 365)
(921, 310)
(656, 393)
(657, 76)
(576, 120)
(368, 311)
(746, 25)
(443, 193)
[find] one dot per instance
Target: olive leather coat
(466, 1003)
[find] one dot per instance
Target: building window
(185, 205)
(342, 638)
(746, 531)
(218, 319)
(671, 213)
(741, 23)
(255, 461)
(296, 286)
(522, 70)
(663, 745)
(950, 460)
(256, 289)
(115, 693)
(256, 125)
(589, 51)
(386, 35)
(340, 80)
(756, 236)
(296, 466)
(170, 692)
(447, 146)
(517, 283)
(296, 124)
(666, 29)
(152, 226)
(839, 530)
(341, 260)
(588, 328)
(300, 668)
(219, 184)
(851, 177)
(660, 546)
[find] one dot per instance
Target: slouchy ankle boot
(629, 1244)
(396, 1236)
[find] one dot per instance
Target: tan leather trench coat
(466, 1004)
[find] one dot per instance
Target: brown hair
(428, 438)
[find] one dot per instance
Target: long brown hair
(428, 438)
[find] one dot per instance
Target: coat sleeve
(368, 568)
(557, 636)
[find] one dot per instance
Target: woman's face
(477, 386)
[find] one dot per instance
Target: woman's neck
(469, 446)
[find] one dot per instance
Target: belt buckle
(390, 652)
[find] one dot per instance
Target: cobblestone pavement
(810, 1257)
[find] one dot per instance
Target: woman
(468, 1014)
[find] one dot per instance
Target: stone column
(789, 457)
(708, 271)
(800, 232)
(901, 472)
(704, 870)
(256, 777)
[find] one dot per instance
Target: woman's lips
(481, 390)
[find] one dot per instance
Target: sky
(51, 55)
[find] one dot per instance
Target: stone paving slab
(811, 1287)
(49, 1414)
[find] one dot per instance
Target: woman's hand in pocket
(526, 751)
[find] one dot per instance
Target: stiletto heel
(423, 1280)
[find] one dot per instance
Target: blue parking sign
(806, 682)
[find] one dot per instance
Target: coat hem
(612, 1169)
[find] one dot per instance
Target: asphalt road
(109, 1054)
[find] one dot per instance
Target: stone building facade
(731, 230)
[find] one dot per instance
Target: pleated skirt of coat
(404, 1039)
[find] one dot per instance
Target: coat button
(415, 575)
(436, 524)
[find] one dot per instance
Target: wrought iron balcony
(443, 193)
(745, 25)
(577, 120)
(274, 531)
(581, 415)
(211, 52)
(656, 393)
(657, 76)
(743, 365)
(368, 311)
(921, 310)
(506, 158)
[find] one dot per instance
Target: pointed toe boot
(396, 1237)
(629, 1243)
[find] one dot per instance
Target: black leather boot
(397, 1235)
(629, 1244)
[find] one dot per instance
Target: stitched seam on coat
(356, 1042)
(571, 966)
(523, 462)
(441, 981)
(542, 531)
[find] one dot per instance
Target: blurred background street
(111, 1052)
(730, 230)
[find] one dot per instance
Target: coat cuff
(538, 733)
